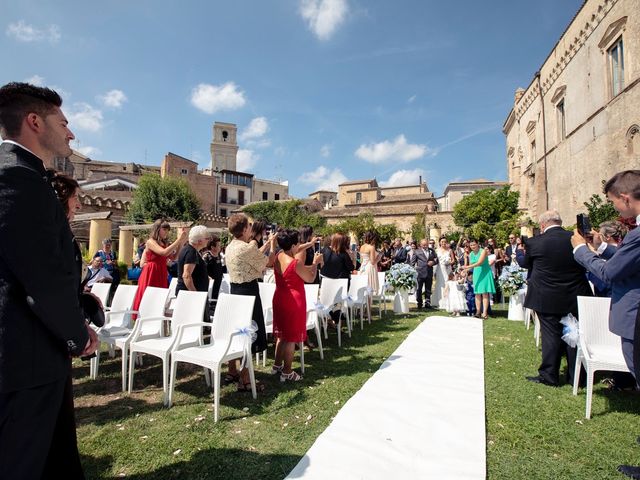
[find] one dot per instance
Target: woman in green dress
(483, 284)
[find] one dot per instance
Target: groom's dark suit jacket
(40, 318)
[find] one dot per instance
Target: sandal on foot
(290, 377)
(276, 369)
(230, 378)
(246, 387)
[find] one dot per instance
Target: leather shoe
(541, 380)
(630, 471)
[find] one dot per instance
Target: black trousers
(424, 284)
(553, 348)
(252, 289)
(38, 433)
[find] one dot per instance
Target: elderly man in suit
(555, 280)
(423, 259)
(41, 322)
(620, 268)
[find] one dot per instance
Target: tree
(488, 213)
(361, 224)
(418, 230)
(290, 214)
(158, 197)
(600, 210)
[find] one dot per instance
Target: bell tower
(224, 146)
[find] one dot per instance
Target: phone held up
(583, 225)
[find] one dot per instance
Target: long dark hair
(155, 230)
(65, 188)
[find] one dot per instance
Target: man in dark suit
(510, 251)
(41, 322)
(555, 280)
(423, 259)
(399, 252)
(620, 268)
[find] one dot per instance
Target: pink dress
(289, 306)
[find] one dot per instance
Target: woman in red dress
(154, 259)
(289, 302)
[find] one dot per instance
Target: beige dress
(370, 270)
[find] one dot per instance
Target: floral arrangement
(512, 279)
(402, 276)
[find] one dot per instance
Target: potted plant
(512, 281)
(401, 278)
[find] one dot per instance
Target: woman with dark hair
(483, 283)
(246, 265)
(289, 302)
(154, 258)
(211, 255)
(369, 260)
(337, 262)
(305, 251)
(258, 231)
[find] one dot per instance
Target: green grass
(533, 431)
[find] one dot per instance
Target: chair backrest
(311, 294)
(593, 317)
(267, 290)
(358, 286)
(122, 300)
(101, 290)
(333, 291)
(172, 287)
(225, 285)
(381, 283)
(189, 308)
(233, 312)
(152, 305)
(210, 289)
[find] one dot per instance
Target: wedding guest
(289, 302)
(110, 263)
(510, 250)
(307, 248)
(246, 264)
(212, 258)
(399, 252)
(96, 273)
(337, 262)
(441, 272)
(424, 261)
(454, 296)
(369, 261)
(258, 233)
(386, 258)
(192, 269)
(483, 283)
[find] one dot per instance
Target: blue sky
(322, 91)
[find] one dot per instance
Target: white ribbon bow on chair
(249, 334)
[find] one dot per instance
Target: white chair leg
(301, 344)
(340, 332)
(264, 358)
(207, 377)
(216, 392)
(125, 357)
(93, 365)
(319, 338)
(252, 378)
(589, 392)
(112, 351)
(165, 379)
(172, 383)
(576, 370)
(132, 356)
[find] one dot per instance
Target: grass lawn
(533, 431)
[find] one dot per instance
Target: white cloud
(24, 32)
(260, 143)
(83, 116)
(324, 16)
(325, 151)
(411, 99)
(214, 98)
(36, 80)
(257, 128)
(89, 151)
(405, 177)
(397, 150)
(246, 160)
(113, 98)
(323, 179)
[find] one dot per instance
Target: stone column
(98, 231)
(125, 253)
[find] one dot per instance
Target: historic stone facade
(203, 186)
(576, 124)
(456, 191)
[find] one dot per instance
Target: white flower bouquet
(512, 279)
(401, 276)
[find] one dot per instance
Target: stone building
(400, 206)
(327, 198)
(456, 191)
(577, 122)
(203, 186)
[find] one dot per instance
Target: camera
(583, 224)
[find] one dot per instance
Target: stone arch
(633, 140)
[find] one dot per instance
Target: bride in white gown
(441, 272)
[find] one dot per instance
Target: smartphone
(316, 246)
(583, 224)
(353, 247)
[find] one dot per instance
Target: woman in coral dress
(289, 302)
(154, 259)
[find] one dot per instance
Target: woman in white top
(369, 260)
(442, 271)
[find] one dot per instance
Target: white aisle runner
(420, 416)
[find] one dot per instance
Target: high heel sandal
(290, 377)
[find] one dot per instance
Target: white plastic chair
(536, 328)
(101, 290)
(117, 324)
(598, 348)
(357, 299)
(313, 322)
(379, 296)
(233, 314)
(267, 290)
(528, 314)
(189, 308)
(225, 285)
(171, 295)
(333, 293)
